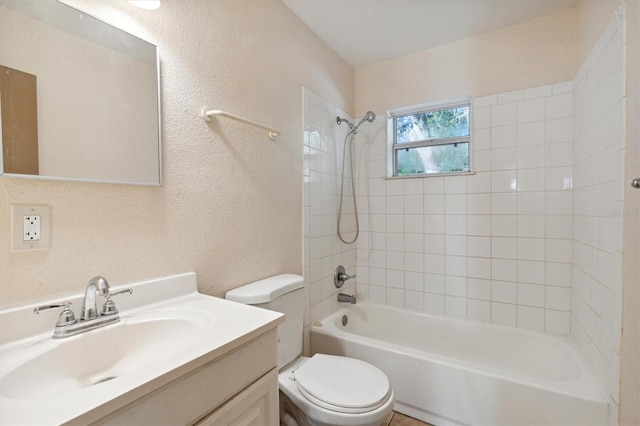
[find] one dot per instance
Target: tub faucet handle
(341, 276)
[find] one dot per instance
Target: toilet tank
(281, 293)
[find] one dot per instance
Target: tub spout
(346, 298)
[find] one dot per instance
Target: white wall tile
(434, 303)
(557, 298)
(531, 110)
(504, 225)
(482, 117)
(433, 185)
(414, 300)
(504, 136)
(531, 156)
(485, 101)
(504, 247)
(479, 246)
(531, 179)
(503, 114)
(414, 281)
(455, 306)
(559, 106)
(455, 204)
(512, 96)
(531, 295)
(538, 92)
(531, 272)
(478, 203)
(504, 203)
(479, 289)
(434, 283)
(531, 202)
(479, 310)
(479, 225)
(504, 159)
(531, 133)
(482, 161)
(503, 291)
(530, 318)
(481, 139)
(504, 181)
(503, 314)
(560, 130)
(531, 226)
(455, 185)
(557, 322)
(531, 249)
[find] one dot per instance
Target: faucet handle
(66, 316)
(109, 307)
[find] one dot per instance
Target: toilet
(324, 389)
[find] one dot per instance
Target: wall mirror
(79, 98)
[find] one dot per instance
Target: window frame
(394, 147)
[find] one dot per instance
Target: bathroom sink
(57, 366)
(167, 330)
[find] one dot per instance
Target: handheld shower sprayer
(369, 116)
(348, 141)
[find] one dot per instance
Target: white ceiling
(364, 32)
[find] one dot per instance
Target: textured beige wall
(534, 53)
(229, 208)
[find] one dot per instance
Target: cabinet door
(257, 405)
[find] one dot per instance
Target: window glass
(443, 123)
(432, 140)
(449, 158)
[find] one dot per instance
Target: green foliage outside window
(438, 139)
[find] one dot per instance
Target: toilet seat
(342, 384)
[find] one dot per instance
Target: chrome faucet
(68, 325)
(346, 298)
(97, 285)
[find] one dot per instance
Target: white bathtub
(449, 371)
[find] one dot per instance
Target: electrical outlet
(30, 227)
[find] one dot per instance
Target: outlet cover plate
(18, 213)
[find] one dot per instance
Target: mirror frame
(157, 182)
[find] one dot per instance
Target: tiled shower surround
(531, 239)
(323, 251)
(598, 193)
(493, 246)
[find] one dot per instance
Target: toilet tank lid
(265, 290)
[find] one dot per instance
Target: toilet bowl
(323, 389)
(329, 390)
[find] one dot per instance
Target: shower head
(369, 116)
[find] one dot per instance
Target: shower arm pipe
(207, 113)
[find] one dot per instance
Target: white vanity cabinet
(175, 357)
(240, 387)
(257, 405)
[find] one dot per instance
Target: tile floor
(397, 419)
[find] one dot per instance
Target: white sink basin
(53, 367)
(167, 330)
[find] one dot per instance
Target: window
(430, 139)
